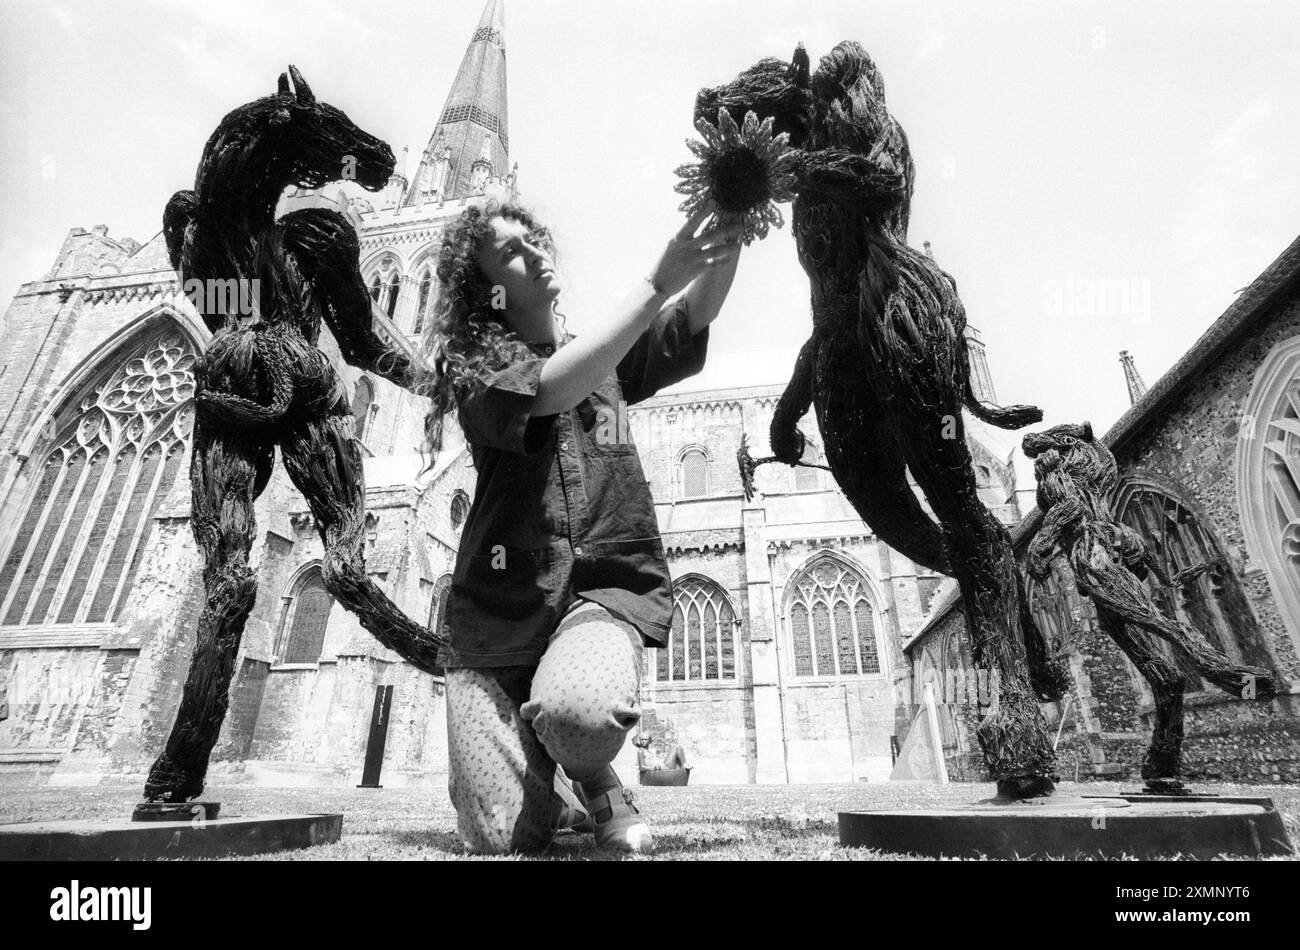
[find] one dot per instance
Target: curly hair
(468, 339)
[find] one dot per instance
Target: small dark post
(378, 736)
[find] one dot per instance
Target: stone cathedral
(798, 636)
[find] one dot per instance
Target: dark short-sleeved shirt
(562, 509)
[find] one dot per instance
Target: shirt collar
(547, 349)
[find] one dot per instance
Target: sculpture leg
(1049, 677)
(323, 458)
(1013, 735)
(862, 454)
(869, 467)
(1167, 682)
(1117, 589)
(228, 470)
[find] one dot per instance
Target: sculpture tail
(1004, 417)
(236, 410)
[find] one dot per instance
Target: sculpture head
(326, 145)
(292, 138)
(1062, 438)
(474, 332)
(771, 87)
(841, 104)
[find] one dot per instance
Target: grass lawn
(704, 823)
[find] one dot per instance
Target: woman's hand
(688, 255)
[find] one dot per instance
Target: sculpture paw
(169, 783)
(788, 444)
(1256, 684)
(1018, 788)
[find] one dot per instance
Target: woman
(560, 578)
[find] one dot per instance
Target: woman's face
(522, 276)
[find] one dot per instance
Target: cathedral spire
(1136, 388)
(981, 377)
(472, 128)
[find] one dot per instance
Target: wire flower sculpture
(748, 465)
(742, 173)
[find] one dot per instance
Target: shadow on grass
(445, 841)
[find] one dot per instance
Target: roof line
(1278, 281)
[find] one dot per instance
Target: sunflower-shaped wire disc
(741, 174)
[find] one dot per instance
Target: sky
(1096, 176)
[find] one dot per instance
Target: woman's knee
(584, 701)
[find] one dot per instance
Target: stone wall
(1190, 452)
(1195, 447)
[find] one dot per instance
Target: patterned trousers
(508, 727)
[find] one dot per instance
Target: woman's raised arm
(575, 370)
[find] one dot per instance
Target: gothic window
(926, 673)
(702, 641)
(302, 634)
(1068, 621)
(952, 659)
(1268, 477)
(422, 303)
(362, 398)
(386, 285)
(1214, 602)
(953, 691)
(438, 603)
(695, 474)
(114, 453)
(1058, 609)
(809, 479)
(459, 509)
(394, 289)
(832, 623)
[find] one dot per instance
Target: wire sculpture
(1077, 475)
(264, 383)
(887, 370)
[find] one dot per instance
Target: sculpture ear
(1087, 431)
(799, 66)
(300, 87)
(282, 87)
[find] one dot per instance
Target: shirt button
(564, 446)
(577, 550)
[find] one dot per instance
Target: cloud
(931, 46)
(223, 43)
(1231, 139)
(22, 261)
(1218, 231)
(72, 24)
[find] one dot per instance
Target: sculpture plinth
(1090, 826)
(98, 840)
